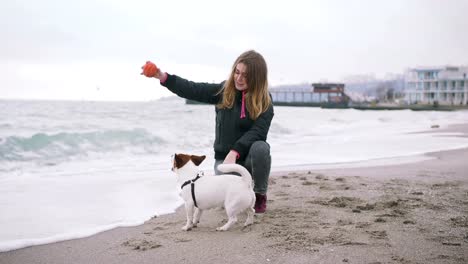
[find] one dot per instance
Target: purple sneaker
(260, 203)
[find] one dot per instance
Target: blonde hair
(257, 98)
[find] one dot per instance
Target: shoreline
(396, 213)
(365, 107)
(387, 161)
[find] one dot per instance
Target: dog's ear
(197, 160)
(180, 160)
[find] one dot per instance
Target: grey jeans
(258, 163)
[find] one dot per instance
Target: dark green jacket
(232, 132)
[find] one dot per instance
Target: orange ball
(150, 69)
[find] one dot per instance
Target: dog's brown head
(181, 159)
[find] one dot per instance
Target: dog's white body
(231, 191)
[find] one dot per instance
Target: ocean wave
(42, 146)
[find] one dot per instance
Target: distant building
(442, 85)
(333, 92)
(317, 94)
(302, 93)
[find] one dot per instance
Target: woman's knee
(260, 149)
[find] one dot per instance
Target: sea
(71, 169)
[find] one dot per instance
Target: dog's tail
(231, 167)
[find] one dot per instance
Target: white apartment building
(445, 85)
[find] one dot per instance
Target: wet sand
(410, 213)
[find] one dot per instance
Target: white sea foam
(73, 169)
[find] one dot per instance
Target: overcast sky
(93, 49)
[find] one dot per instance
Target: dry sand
(411, 213)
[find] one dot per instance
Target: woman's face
(240, 77)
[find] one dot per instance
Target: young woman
(244, 111)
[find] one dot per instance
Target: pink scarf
(243, 105)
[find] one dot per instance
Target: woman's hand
(231, 157)
(151, 70)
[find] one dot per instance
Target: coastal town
(420, 88)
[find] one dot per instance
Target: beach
(407, 213)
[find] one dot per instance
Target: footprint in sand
(325, 187)
(141, 245)
(343, 187)
(343, 201)
(344, 222)
(459, 221)
(182, 240)
(308, 183)
(366, 207)
(294, 174)
(378, 234)
(448, 240)
(321, 177)
(339, 201)
(380, 220)
(394, 213)
(446, 184)
(363, 224)
(409, 222)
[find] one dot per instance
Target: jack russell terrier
(201, 193)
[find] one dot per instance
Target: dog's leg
(189, 212)
(250, 216)
(196, 217)
(250, 211)
(231, 221)
(232, 218)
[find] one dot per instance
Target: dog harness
(192, 185)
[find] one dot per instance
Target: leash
(192, 185)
